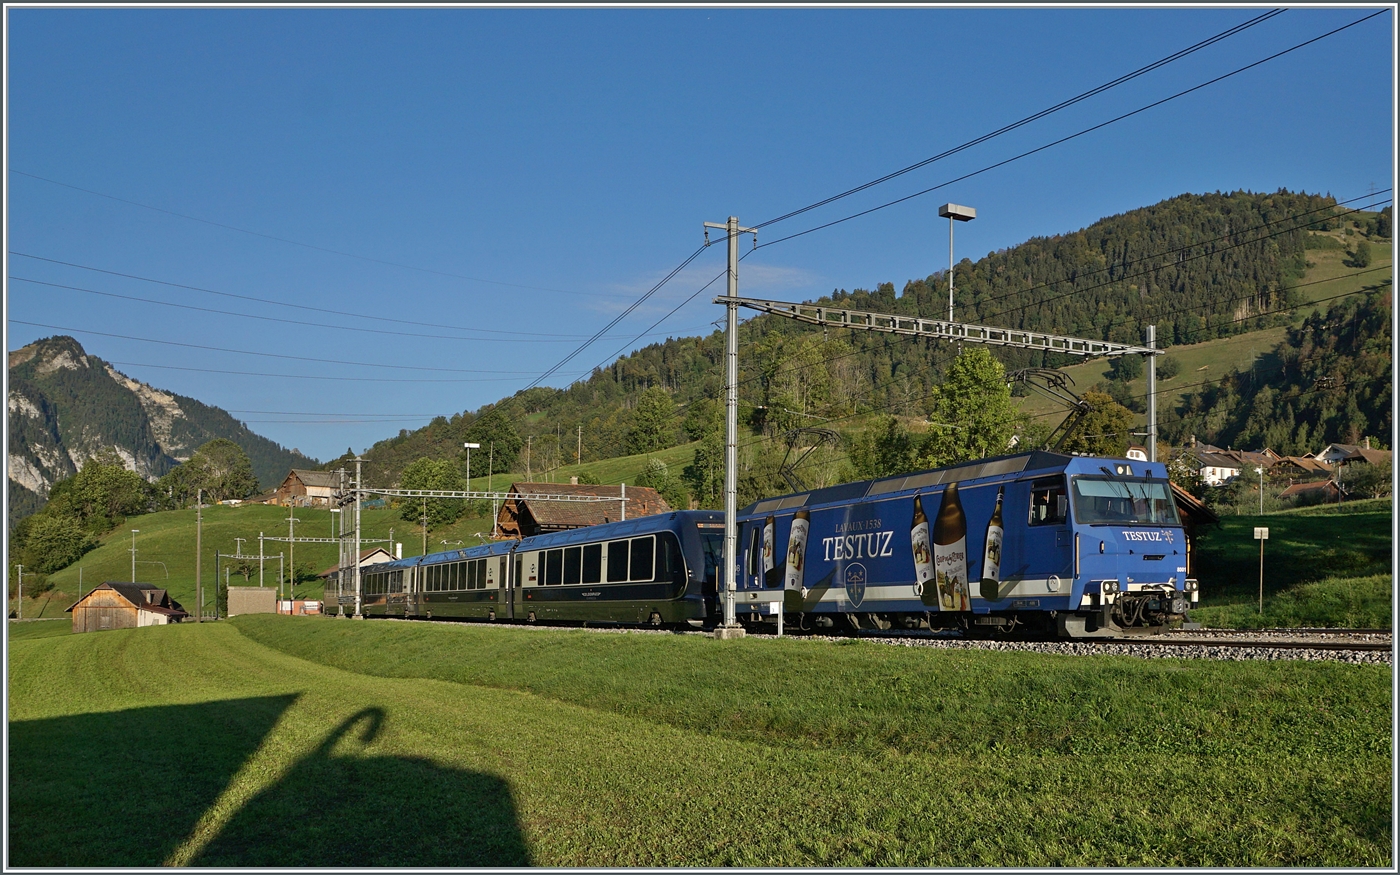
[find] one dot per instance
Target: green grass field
(1323, 566)
(275, 741)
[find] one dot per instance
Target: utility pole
(260, 559)
(133, 554)
(238, 546)
(529, 442)
(292, 550)
(490, 470)
(425, 525)
(578, 458)
(359, 486)
(198, 578)
(1151, 395)
(731, 627)
(19, 594)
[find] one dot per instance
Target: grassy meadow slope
(276, 741)
(166, 549)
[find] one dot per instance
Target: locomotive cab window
(1113, 500)
(755, 549)
(1049, 502)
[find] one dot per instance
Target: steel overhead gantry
(909, 326)
(355, 494)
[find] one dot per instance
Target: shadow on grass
(128, 788)
(344, 809)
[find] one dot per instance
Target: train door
(1049, 542)
(503, 586)
(513, 583)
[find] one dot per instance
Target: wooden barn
(302, 488)
(522, 516)
(124, 606)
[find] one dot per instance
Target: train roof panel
(1038, 460)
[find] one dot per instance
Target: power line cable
(415, 335)
(1031, 118)
(623, 315)
(1070, 137)
(266, 354)
(311, 245)
(373, 316)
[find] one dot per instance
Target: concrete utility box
(252, 600)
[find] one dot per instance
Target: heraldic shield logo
(855, 583)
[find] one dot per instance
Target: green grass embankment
(274, 741)
(1323, 566)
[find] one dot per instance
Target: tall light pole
(133, 554)
(962, 214)
(19, 593)
(470, 447)
(1260, 469)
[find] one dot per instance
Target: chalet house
(1365, 456)
(1317, 492)
(302, 488)
(124, 606)
(1218, 467)
(523, 515)
(372, 556)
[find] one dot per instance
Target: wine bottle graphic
(797, 549)
(769, 536)
(991, 557)
(923, 555)
(950, 552)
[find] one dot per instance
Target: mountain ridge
(64, 405)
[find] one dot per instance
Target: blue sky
(513, 178)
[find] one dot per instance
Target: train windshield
(712, 543)
(1116, 500)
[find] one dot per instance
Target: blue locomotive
(1079, 546)
(1075, 546)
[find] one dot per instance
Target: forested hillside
(1330, 381)
(1197, 266)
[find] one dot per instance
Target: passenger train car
(1075, 546)
(653, 570)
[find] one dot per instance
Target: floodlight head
(956, 211)
(472, 446)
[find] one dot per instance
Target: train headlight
(1109, 586)
(1191, 584)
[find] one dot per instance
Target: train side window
(519, 566)
(1049, 502)
(483, 573)
(592, 563)
(430, 579)
(553, 567)
(617, 561)
(642, 558)
(573, 564)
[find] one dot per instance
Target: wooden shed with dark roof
(524, 514)
(114, 605)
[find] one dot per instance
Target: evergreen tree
(654, 427)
